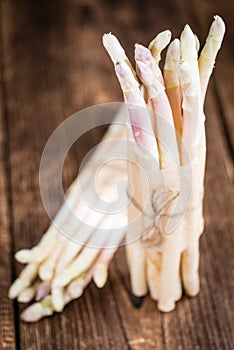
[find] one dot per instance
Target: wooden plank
(7, 326)
(55, 64)
(7, 317)
(43, 71)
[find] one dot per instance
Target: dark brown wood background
(53, 64)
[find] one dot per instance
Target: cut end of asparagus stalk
(188, 42)
(167, 306)
(159, 43)
(100, 275)
(113, 47)
(57, 299)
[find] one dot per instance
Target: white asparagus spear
(83, 232)
(191, 124)
(43, 290)
(76, 287)
(57, 298)
(67, 250)
(189, 54)
(71, 248)
(158, 44)
(157, 275)
(153, 271)
(139, 117)
(100, 269)
(140, 121)
(38, 310)
(89, 253)
(193, 137)
(41, 251)
(171, 77)
(115, 131)
(209, 52)
(29, 293)
(144, 55)
(46, 269)
(168, 282)
(115, 50)
(190, 269)
(45, 307)
(48, 241)
(156, 47)
(153, 258)
(53, 237)
(165, 131)
(26, 277)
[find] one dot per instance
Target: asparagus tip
(38, 310)
(161, 40)
(173, 51)
(45, 273)
(217, 28)
(23, 256)
(142, 53)
(16, 288)
(26, 296)
(113, 47)
(30, 314)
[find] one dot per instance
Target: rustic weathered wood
(7, 317)
(54, 65)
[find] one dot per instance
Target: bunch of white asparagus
(165, 218)
(58, 268)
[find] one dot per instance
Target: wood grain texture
(53, 65)
(7, 315)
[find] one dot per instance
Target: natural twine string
(153, 233)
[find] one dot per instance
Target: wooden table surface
(52, 65)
